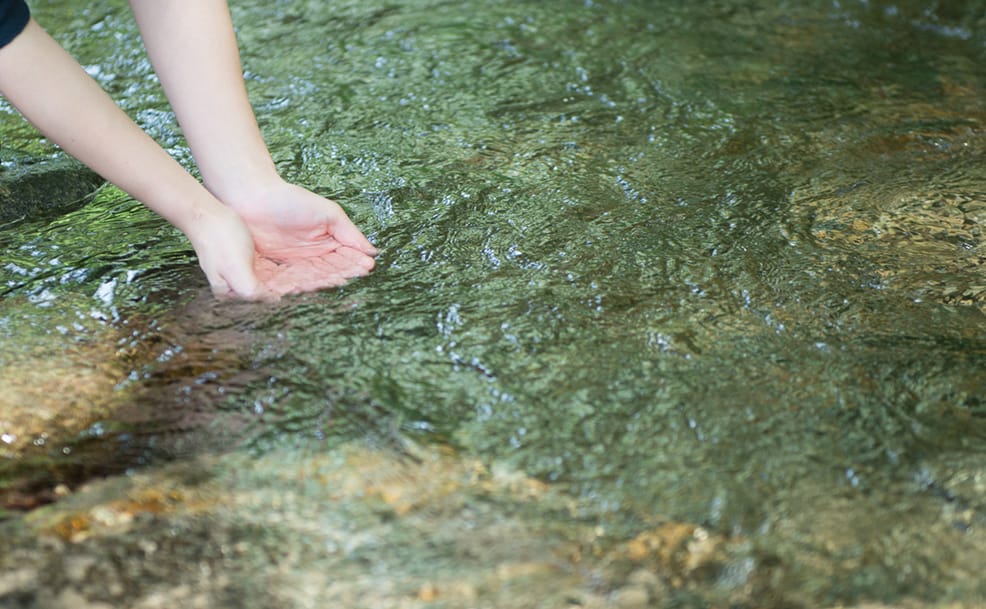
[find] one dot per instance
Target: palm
(305, 242)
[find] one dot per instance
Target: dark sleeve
(13, 19)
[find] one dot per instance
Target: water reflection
(691, 300)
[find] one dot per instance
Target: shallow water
(647, 268)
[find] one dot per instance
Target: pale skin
(257, 237)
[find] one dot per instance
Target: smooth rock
(632, 597)
(31, 187)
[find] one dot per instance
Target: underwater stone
(632, 597)
(32, 186)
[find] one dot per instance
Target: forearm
(193, 48)
(55, 94)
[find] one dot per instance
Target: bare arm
(193, 48)
(306, 241)
(55, 94)
(255, 235)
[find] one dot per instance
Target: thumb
(342, 229)
(346, 233)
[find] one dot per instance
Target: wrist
(197, 217)
(238, 188)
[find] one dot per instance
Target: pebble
(650, 582)
(76, 567)
(70, 599)
(16, 580)
(633, 596)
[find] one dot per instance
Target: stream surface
(680, 304)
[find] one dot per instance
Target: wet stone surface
(361, 526)
(379, 529)
(32, 186)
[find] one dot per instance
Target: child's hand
(304, 242)
(226, 254)
(274, 239)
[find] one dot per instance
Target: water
(678, 304)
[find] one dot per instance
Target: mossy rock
(32, 186)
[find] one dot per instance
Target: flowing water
(680, 304)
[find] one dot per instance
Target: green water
(716, 263)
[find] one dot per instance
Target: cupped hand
(303, 241)
(226, 254)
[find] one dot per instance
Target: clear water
(715, 264)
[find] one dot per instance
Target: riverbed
(678, 305)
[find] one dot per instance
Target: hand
(226, 254)
(303, 241)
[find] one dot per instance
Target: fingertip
(359, 263)
(219, 286)
(363, 245)
(348, 234)
(222, 292)
(366, 264)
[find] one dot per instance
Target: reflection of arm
(54, 93)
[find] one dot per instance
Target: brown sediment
(70, 410)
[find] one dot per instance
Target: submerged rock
(357, 526)
(32, 186)
(351, 526)
(69, 409)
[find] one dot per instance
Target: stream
(678, 305)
